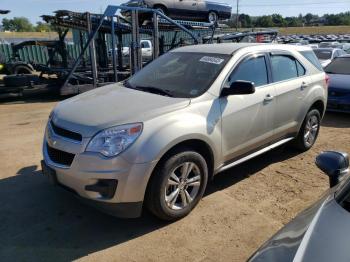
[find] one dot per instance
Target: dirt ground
(242, 208)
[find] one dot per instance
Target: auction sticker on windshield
(211, 60)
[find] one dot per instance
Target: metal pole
(237, 17)
(135, 44)
(132, 51)
(155, 36)
(113, 50)
(92, 49)
(110, 11)
(138, 42)
(120, 47)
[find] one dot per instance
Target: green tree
(264, 21)
(43, 27)
(293, 21)
(245, 21)
(17, 24)
(278, 20)
(308, 18)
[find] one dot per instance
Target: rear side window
(310, 55)
(253, 70)
(283, 68)
(301, 69)
(340, 66)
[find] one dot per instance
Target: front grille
(59, 156)
(66, 133)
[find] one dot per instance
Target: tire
(213, 17)
(309, 131)
(170, 195)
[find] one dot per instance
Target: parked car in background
(326, 55)
(339, 84)
(197, 10)
(156, 139)
(146, 51)
(322, 232)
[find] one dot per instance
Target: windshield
(340, 65)
(179, 74)
(323, 54)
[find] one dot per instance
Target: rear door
(291, 83)
(247, 120)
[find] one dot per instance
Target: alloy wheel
(311, 130)
(182, 186)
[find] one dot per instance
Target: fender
(173, 129)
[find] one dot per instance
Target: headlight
(112, 141)
(1, 66)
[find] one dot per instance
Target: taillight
(327, 80)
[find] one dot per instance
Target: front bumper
(89, 170)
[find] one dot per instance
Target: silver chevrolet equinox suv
(156, 139)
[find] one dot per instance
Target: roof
(224, 48)
(230, 48)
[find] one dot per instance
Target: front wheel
(177, 185)
(309, 130)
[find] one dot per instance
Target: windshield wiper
(155, 90)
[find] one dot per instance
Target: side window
(253, 70)
(301, 69)
(283, 68)
(145, 45)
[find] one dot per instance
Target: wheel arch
(13, 66)
(162, 6)
(319, 105)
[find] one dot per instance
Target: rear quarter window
(310, 55)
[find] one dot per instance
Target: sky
(34, 8)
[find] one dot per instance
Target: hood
(112, 105)
(285, 244)
(339, 82)
(320, 233)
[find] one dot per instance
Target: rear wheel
(309, 130)
(177, 185)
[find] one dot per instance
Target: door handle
(304, 85)
(268, 98)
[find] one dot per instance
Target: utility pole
(237, 17)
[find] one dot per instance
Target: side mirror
(239, 88)
(333, 164)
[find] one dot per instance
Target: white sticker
(212, 60)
